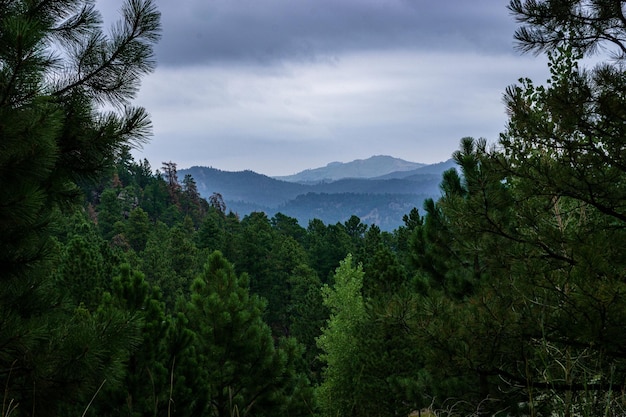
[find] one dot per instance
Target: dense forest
(380, 200)
(124, 293)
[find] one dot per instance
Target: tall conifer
(56, 68)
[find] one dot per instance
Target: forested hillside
(380, 201)
(124, 292)
(372, 167)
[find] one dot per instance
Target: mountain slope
(425, 184)
(374, 166)
(250, 187)
(384, 210)
(432, 169)
(382, 200)
(245, 186)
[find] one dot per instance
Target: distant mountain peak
(382, 200)
(374, 166)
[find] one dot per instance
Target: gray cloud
(253, 31)
(409, 105)
(278, 86)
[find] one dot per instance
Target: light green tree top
(338, 342)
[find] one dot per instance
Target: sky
(279, 86)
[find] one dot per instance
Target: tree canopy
(57, 68)
(124, 292)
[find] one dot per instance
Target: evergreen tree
(563, 151)
(289, 226)
(232, 366)
(526, 295)
(356, 230)
(373, 363)
(232, 227)
(403, 236)
(211, 235)
(157, 267)
(192, 204)
(146, 387)
(392, 380)
(286, 257)
(307, 315)
(109, 212)
(83, 271)
(586, 26)
(137, 229)
(53, 135)
(142, 173)
(326, 246)
(154, 199)
(183, 253)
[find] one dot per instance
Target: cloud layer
(278, 86)
(219, 31)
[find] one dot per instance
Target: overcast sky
(279, 86)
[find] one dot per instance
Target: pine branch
(128, 58)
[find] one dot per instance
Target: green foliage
(109, 212)
(383, 273)
(54, 136)
(254, 247)
(137, 229)
(183, 254)
(307, 314)
(145, 389)
(192, 204)
(391, 380)
(211, 235)
(338, 341)
(505, 296)
(373, 365)
(525, 254)
(158, 268)
(288, 226)
(232, 365)
(326, 246)
(154, 200)
(83, 271)
(586, 26)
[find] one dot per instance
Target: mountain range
(372, 167)
(379, 190)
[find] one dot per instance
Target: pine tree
(289, 226)
(137, 229)
(232, 365)
(192, 204)
(211, 235)
(56, 68)
(145, 389)
(527, 282)
(154, 199)
(171, 178)
(326, 246)
(307, 315)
